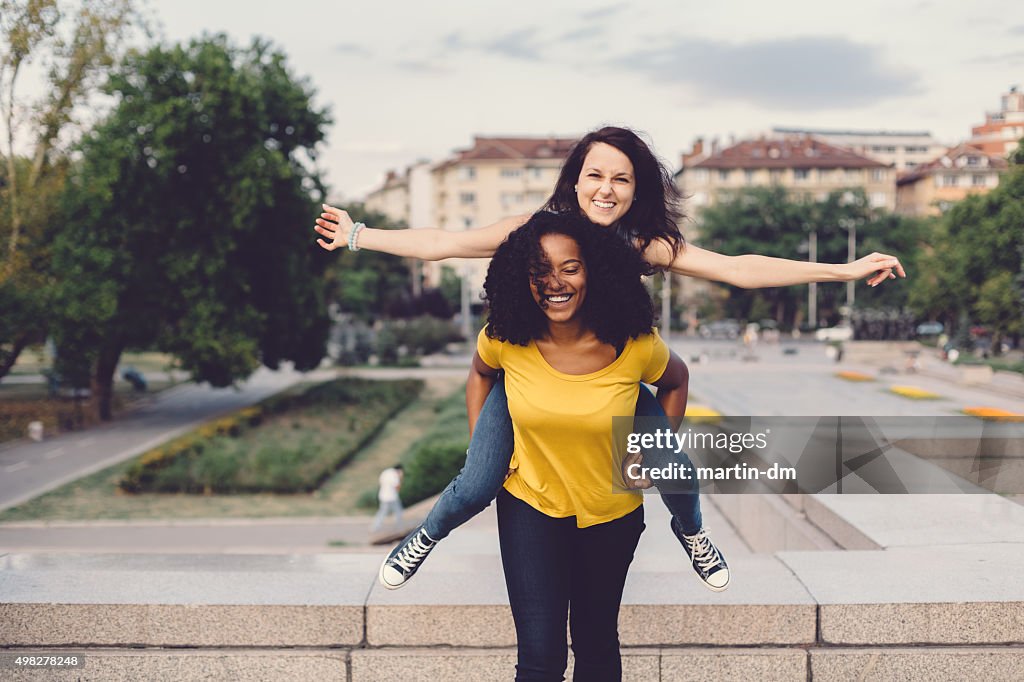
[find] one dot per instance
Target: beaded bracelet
(353, 237)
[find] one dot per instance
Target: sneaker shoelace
(413, 553)
(703, 552)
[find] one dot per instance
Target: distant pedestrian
(387, 495)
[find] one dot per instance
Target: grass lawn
(98, 497)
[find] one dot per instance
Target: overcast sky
(411, 80)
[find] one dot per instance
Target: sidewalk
(30, 469)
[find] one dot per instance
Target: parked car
(720, 329)
(839, 333)
(930, 328)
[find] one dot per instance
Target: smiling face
(606, 184)
(562, 289)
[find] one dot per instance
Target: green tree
(75, 43)
(367, 283)
(181, 231)
(771, 222)
(978, 258)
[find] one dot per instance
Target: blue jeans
(490, 452)
(555, 572)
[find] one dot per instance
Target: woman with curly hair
(613, 178)
(570, 325)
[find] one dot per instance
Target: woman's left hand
(877, 267)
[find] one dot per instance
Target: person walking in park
(613, 178)
(390, 482)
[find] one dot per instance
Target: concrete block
(386, 665)
(176, 600)
(764, 665)
(178, 625)
(765, 604)
(993, 664)
(840, 530)
(113, 665)
(459, 600)
(884, 521)
(916, 595)
(768, 524)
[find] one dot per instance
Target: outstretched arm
(426, 243)
(478, 387)
(754, 272)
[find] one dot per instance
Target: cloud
(1006, 58)
(351, 48)
(518, 44)
(600, 13)
(421, 67)
(580, 34)
(811, 72)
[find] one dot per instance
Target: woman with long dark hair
(570, 325)
(612, 178)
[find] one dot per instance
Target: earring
(576, 188)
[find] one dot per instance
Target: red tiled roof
(793, 152)
(504, 148)
(952, 154)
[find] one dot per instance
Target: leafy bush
(433, 460)
(257, 449)
(401, 339)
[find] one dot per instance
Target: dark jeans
(556, 571)
(490, 451)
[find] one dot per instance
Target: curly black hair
(656, 211)
(617, 306)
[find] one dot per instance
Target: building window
(511, 172)
(853, 175)
(910, 164)
(467, 198)
(824, 175)
(467, 222)
(467, 173)
(878, 175)
(878, 200)
(775, 176)
(536, 173)
(801, 174)
(978, 180)
(511, 198)
(723, 175)
(700, 175)
(749, 177)
(949, 180)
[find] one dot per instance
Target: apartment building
(806, 166)
(391, 198)
(901, 150)
(496, 177)
(933, 187)
(1002, 130)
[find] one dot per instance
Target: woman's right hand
(335, 225)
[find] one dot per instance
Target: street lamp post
(810, 247)
(850, 225)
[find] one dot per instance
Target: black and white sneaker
(405, 559)
(708, 562)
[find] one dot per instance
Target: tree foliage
(769, 222)
(366, 283)
(73, 44)
(974, 271)
(180, 232)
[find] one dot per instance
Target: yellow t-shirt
(563, 458)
